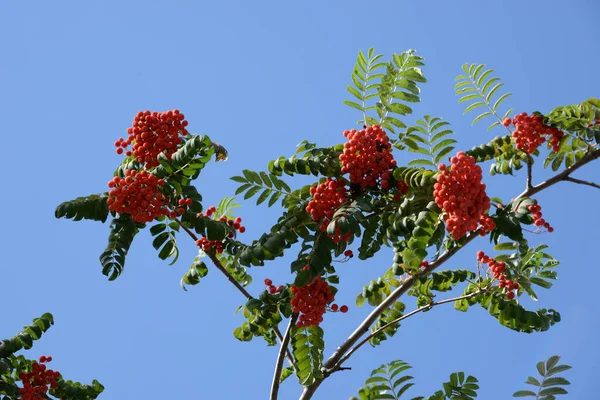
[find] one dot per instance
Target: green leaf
(524, 393)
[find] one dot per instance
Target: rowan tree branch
(410, 314)
(239, 287)
(280, 356)
(528, 184)
(409, 282)
(579, 181)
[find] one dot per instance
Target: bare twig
(239, 287)
(280, 356)
(409, 282)
(581, 182)
(410, 314)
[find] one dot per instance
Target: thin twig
(528, 184)
(409, 282)
(280, 356)
(579, 181)
(239, 287)
(410, 314)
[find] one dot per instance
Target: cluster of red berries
(327, 197)
(35, 383)
(497, 270)
(272, 288)
(536, 212)
(530, 132)
(152, 134)
(206, 244)
(311, 300)
(138, 195)
(461, 194)
(367, 157)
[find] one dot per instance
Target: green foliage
(69, 390)
(187, 162)
(377, 290)
(268, 184)
(197, 271)
(571, 150)
(441, 281)
(310, 161)
(386, 382)
(429, 138)
(496, 147)
(164, 240)
(225, 208)
(550, 386)
(528, 266)
(307, 348)
(366, 79)
(579, 119)
(122, 232)
(416, 178)
(394, 312)
(457, 388)
(393, 89)
(25, 338)
(91, 207)
(262, 315)
(478, 84)
(425, 227)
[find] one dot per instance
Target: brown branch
(239, 287)
(410, 314)
(581, 182)
(562, 176)
(409, 282)
(280, 356)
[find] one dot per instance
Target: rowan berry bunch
(37, 382)
(152, 134)
(311, 301)
(530, 132)
(327, 197)
(367, 157)
(272, 288)
(461, 194)
(497, 269)
(536, 213)
(139, 195)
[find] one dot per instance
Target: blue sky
(259, 77)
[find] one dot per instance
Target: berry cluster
(327, 197)
(460, 193)
(530, 132)
(138, 195)
(35, 383)
(536, 212)
(497, 270)
(217, 245)
(311, 302)
(272, 288)
(152, 134)
(367, 157)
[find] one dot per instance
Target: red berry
(268, 282)
(344, 309)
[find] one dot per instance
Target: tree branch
(239, 287)
(409, 282)
(279, 364)
(528, 184)
(410, 314)
(579, 181)
(562, 176)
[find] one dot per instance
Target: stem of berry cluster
(280, 356)
(364, 326)
(240, 288)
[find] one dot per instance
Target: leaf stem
(580, 182)
(280, 357)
